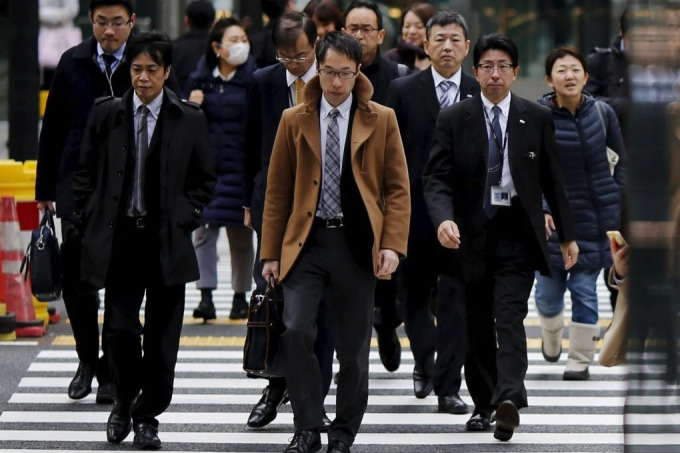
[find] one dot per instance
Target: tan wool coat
(378, 166)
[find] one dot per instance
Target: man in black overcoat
(146, 172)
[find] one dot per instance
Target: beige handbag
(615, 341)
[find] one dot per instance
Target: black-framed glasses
(502, 68)
(297, 59)
(119, 24)
(328, 73)
(365, 29)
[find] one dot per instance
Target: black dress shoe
(453, 404)
(389, 349)
(422, 377)
(265, 410)
(106, 393)
(507, 420)
(308, 441)
(326, 423)
(205, 310)
(120, 423)
(337, 446)
(480, 421)
(146, 436)
(81, 385)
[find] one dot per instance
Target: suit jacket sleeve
(552, 182)
(396, 190)
(52, 137)
(253, 141)
(280, 192)
(437, 175)
(201, 179)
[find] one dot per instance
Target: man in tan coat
(336, 213)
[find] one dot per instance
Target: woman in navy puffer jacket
(584, 128)
(219, 85)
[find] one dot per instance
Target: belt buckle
(140, 222)
(333, 222)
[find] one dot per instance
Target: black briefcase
(41, 261)
(262, 349)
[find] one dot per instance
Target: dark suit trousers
(135, 270)
(422, 285)
(324, 346)
(326, 261)
(82, 307)
(496, 308)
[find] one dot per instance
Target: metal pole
(24, 83)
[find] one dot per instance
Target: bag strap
(598, 107)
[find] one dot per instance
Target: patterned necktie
(299, 86)
(330, 201)
(108, 63)
(444, 88)
(141, 151)
(495, 170)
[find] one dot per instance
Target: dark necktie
(108, 63)
(330, 201)
(444, 88)
(141, 151)
(495, 170)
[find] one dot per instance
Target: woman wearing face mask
(219, 85)
(409, 50)
(584, 129)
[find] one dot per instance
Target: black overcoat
(186, 179)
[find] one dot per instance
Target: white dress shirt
(290, 80)
(454, 91)
(118, 54)
(506, 178)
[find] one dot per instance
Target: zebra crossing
(213, 399)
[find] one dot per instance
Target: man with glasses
(90, 70)
(336, 213)
(492, 164)
(431, 269)
(272, 90)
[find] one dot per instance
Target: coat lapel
(429, 94)
(517, 124)
(309, 126)
(476, 124)
(278, 90)
(362, 128)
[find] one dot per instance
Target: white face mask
(238, 53)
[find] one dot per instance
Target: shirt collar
(344, 108)
(504, 105)
(217, 74)
(118, 53)
(306, 77)
(438, 78)
(154, 107)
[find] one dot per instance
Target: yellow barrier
(18, 179)
(43, 101)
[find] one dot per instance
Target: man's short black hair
(495, 42)
(274, 8)
(201, 14)
(155, 44)
(444, 18)
(288, 28)
(129, 5)
(368, 5)
(341, 43)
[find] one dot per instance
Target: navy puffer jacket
(595, 196)
(224, 105)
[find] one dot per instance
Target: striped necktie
(330, 201)
(444, 88)
(495, 170)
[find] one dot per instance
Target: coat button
(309, 214)
(124, 147)
(300, 244)
(316, 182)
(111, 224)
(120, 173)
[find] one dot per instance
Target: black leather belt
(331, 222)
